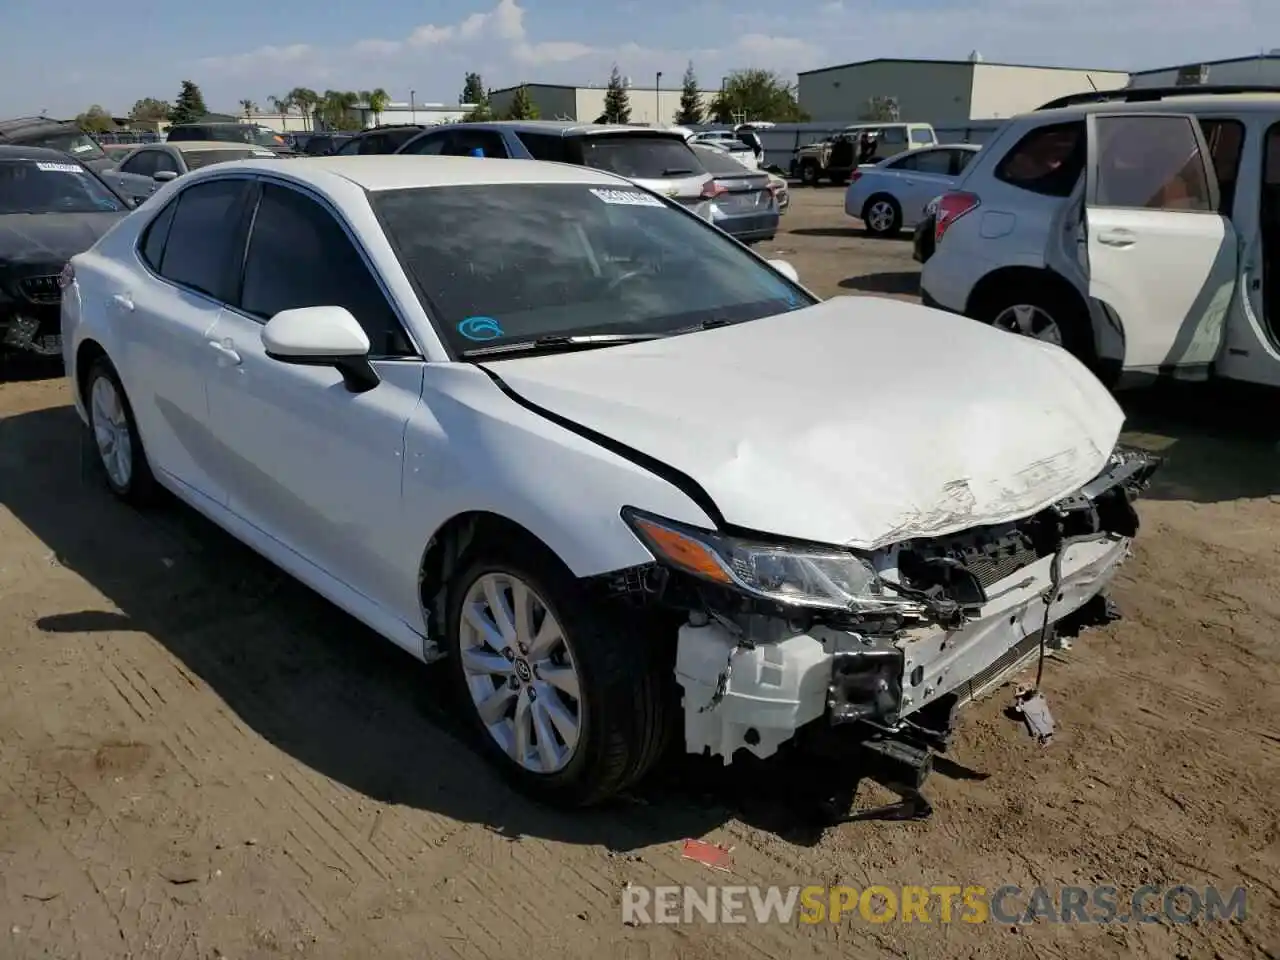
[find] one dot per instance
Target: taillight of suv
(951, 207)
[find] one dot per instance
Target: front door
(310, 463)
(1161, 257)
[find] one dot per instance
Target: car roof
(397, 171)
(572, 128)
(16, 151)
(21, 126)
(1208, 103)
(197, 145)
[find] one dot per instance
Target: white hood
(860, 420)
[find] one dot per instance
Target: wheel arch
(87, 353)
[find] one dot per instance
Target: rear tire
(114, 435)
(809, 174)
(596, 744)
(882, 216)
(1042, 312)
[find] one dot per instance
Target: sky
(114, 53)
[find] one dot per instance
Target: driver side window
(431, 145)
(143, 164)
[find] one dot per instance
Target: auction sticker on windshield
(59, 167)
(628, 198)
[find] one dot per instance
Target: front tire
(565, 696)
(809, 174)
(115, 436)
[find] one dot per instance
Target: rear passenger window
(430, 145)
(1151, 163)
(542, 146)
(1047, 160)
(927, 161)
(201, 246)
(299, 256)
(153, 242)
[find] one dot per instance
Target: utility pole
(413, 108)
(657, 97)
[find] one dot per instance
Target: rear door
(920, 176)
(1161, 258)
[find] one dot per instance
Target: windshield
(514, 262)
(639, 157)
(37, 186)
(79, 145)
(203, 158)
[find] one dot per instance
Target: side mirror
(322, 337)
(786, 269)
(164, 176)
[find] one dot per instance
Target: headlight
(802, 576)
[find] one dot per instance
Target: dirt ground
(199, 758)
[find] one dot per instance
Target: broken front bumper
(757, 696)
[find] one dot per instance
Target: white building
(398, 112)
(586, 104)
(1262, 68)
(942, 92)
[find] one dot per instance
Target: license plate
(744, 202)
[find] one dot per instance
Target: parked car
(63, 135)
(659, 160)
(922, 238)
(835, 158)
(781, 191)
(253, 134)
(891, 194)
(379, 140)
(146, 167)
(323, 144)
(1157, 257)
(742, 202)
(534, 420)
(51, 208)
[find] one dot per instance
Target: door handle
(121, 301)
(1117, 238)
(226, 351)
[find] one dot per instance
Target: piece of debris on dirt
(1035, 713)
(709, 854)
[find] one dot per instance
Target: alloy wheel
(111, 432)
(1029, 320)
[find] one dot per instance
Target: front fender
(469, 447)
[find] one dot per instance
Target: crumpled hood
(860, 420)
(51, 237)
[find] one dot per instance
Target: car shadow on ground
(318, 685)
(893, 281)
(1220, 442)
(23, 368)
(842, 232)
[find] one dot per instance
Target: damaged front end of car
(829, 646)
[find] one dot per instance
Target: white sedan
(892, 194)
(549, 426)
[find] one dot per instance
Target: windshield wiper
(559, 343)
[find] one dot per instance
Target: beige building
(586, 104)
(942, 92)
(1262, 69)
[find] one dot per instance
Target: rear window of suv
(639, 157)
(1047, 160)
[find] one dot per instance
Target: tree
(280, 105)
(95, 120)
(189, 107)
(336, 109)
(306, 100)
(249, 107)
(691, 110)
(473, 90)
(377, 101)
(617, 102)
(881, 109)
(522, 106)
(756, 95)
(150, 110)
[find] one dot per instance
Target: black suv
(230, 133)
(63, 135)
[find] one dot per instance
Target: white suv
(1143, 235)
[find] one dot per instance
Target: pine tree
(522, 106)
(691, 110)
(473, 89)
(617, 102)
(189, 106)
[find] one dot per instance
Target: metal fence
(782, 140)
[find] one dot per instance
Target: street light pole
(413, 108)
(657, 98)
